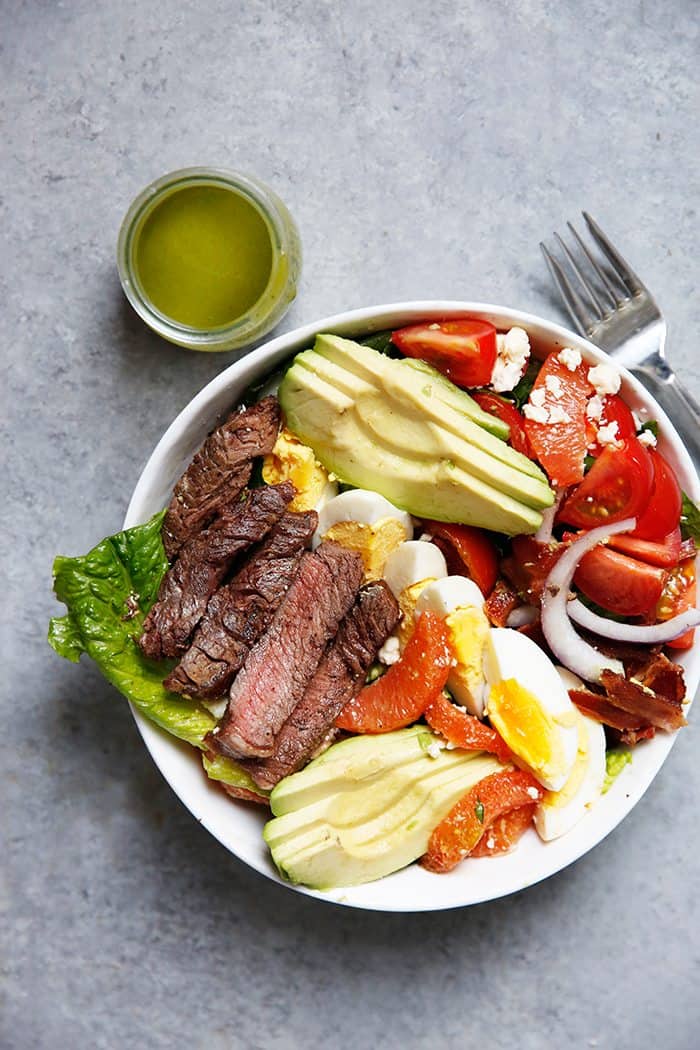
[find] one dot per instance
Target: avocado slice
(367, 807)
(459, 441)
(446, 403)
(382, 431)
(368, 363)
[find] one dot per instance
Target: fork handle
(679, 405)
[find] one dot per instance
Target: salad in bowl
(405, 603)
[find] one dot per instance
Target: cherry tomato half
(614, 411)
(617, 486)
(679, 594)
(463, 349)
(665, 553)
(663, 512)
(507, 412)
(620, 584)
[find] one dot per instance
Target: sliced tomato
(620, 584)
(464, 730)
(463, 349)
(665, 552)
(561, 447)
(505, 832)
(679, 594)
(507, 412)
(400, 696)
(614, 411)
(476, 811)
(617, 486)
(468, 551)
(663, 512)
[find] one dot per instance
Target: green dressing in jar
(209, 259)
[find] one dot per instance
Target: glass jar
(258, 203)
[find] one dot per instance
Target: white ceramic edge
(413, 889)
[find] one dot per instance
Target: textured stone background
(424, 149)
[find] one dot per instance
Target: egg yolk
(469, 630)
(530, 731)
(407, 604)
(292, 460)
(374, 542)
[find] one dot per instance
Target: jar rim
(279, 290)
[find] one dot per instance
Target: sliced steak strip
(279, 668)
(240, 611)
(219, 472)
(338, 679)
(204, 561)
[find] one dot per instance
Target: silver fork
(610, 306)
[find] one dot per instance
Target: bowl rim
(174, 758)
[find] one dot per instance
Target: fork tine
(585, 283)
(613, 293)
(621, 268)
(577, 308)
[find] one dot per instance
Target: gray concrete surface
(425, 149)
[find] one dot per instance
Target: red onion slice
(562, 638)
(544, 533)
(523, 615)
(654, 634)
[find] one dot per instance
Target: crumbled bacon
(633, 736)
(638, 699)
(598, 706)
(501, 602)
(649, 696)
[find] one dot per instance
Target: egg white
(560, 811)
(514, 659)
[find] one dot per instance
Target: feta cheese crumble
(512, 354)
(594, 408)
(537, 413)
(390, 652)
(648, 438)
(558, 415)
(434, 749)
(570, 358)
(607, 435)
(605, 379)
(533, 793)
(554, 386)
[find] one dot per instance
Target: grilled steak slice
(204, 561)
(240, 611)
(219, 472)
(275, 675)
(338, 679)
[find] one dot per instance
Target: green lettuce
(690, 519)
(107, 593)
(229, 772)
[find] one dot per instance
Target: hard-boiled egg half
(292, 460)
(459, 602)
(366, 522)
(408, 570)
(559, 811)
(530, 707)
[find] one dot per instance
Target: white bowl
(238, 826)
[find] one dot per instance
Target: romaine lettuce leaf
(229, 772)
(108, 593)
